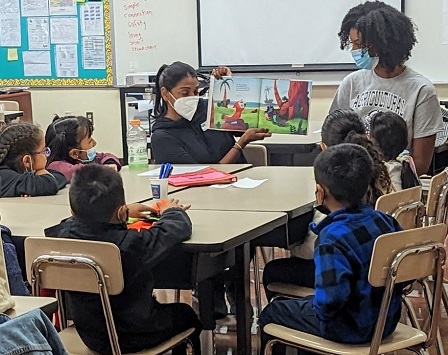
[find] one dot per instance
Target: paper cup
(159, 188)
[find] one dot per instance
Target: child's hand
(137, 210)
(219, 72)
(171, 203)
(112, 166)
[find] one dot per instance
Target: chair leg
(257, 282)
(268, 348)
(445, 298)
(428, 296)
(189, 347)
(177, 296)
(411, 312)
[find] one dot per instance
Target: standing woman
(381, 39)
(177, 134)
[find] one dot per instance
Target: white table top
(136, 188)
(312, 137)
(25, 304)
(212, 230)
(11, 113)
(288, 189)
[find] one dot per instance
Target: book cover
(239, 103)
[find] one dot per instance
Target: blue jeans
(292, 313)
(32, 333)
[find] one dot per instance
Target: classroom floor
(225, 337)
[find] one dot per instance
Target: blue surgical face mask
(91, 154)
(363, 60)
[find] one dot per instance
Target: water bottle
(137, 146)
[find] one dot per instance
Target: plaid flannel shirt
(345, 302)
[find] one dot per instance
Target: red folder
(207, 176)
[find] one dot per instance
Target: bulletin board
(55, 43)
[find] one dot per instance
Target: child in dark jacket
(100, 213)
(72, 146)
(345, 307)
(23, 157)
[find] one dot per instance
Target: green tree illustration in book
(239, 103)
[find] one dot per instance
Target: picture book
(240, 103)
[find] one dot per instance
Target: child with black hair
(72, 146)
(100, 213)
(23, 157)
(177, 134)
(389, 132)
(345, 307)
(381, 38)
(340, 126)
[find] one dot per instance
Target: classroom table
(220, 239)
(136, 188)
(25, 304)
(288, 189)
(12, 115)
(293, 149)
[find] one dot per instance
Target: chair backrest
(436, 204)
(388, 245)
(405, 206)
(64, 264)
(406, 256)
(9, 105)
(256, 154)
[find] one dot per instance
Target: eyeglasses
(46, 152)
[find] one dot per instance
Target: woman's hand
(219, 72)
(252, 135)
(137, 210)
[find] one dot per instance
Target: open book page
(284, 106)
(234, 103)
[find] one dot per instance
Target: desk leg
(206, 315)
(243, 320)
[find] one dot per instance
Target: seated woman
(177, 135)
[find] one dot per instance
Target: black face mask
(321, 207)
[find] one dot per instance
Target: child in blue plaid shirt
(345, 306)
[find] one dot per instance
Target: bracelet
(238, 146)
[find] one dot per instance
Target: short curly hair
(381, 27)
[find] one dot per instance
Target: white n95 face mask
(185, 106)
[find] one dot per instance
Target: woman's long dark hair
(168, 77)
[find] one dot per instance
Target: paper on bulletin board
(445, 22)
(13, 54)
(38, 33)
(93, 52)
(92, 19)
(10, 23)
(63, 7)
(64, 30)
(36, 63)
(67, 61)
(34, 8)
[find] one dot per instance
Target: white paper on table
(38, 33)
(246, 183)
(93, 52)
(318, 130)
(92, 19)
(67, 61)
(36, 63)
(64, 30)
(176, 170)
(63, 7)
(34, 8)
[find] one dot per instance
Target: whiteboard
(273, 32)
(149, 33)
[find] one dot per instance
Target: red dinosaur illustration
(235, 122)
(297, 103)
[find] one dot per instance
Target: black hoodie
(134, 307)
(14, 184)
(184, 142)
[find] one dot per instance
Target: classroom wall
(105, 104)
